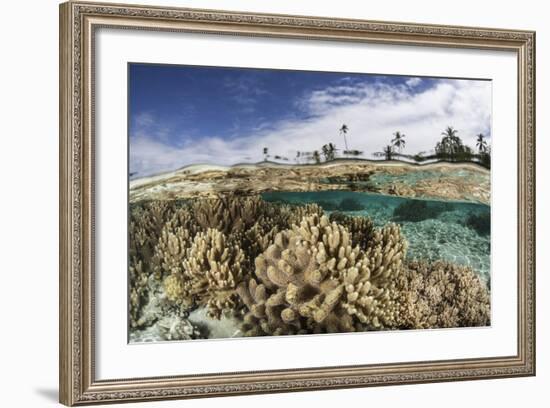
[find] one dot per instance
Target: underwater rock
(328, 205)
(350, 204)
(419, 210)
(481, 223)
(170, 327)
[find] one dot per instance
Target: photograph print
(268, 202)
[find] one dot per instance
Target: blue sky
(181, 115)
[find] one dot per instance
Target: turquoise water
(447, 230)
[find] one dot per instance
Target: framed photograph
(256, 203)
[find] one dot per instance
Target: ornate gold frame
(78, 21)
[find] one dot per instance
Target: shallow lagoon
(435, 229)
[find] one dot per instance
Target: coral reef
(361, 228)
(146, 223)
(312, 280)
(441, 294)
(292, 215)
(212, 269)
(227, 212)
(282, 268)
(170, 250)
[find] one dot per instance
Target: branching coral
(139, 292)
(370, 285)
(289, 215)
(384, 254)
(210, 272)
(313, 280)
(170, 250)
(256, 239)
(287, 269)
(146, 223)
(227, 213)
(173, 243)
(361, 228)
(441, 294)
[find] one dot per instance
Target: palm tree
(316, 156)
(343, 130)
(332, 150)
(399, 140)
(325, 152)
(328, 151)
(450, 137)
(450, 132)
(450, 143)
(481, 144)
(388, 152)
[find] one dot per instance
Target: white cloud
(412, 82)
(373, 112)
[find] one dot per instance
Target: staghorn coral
(313, 280)
(441, 294)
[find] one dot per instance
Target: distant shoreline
(202, 167)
